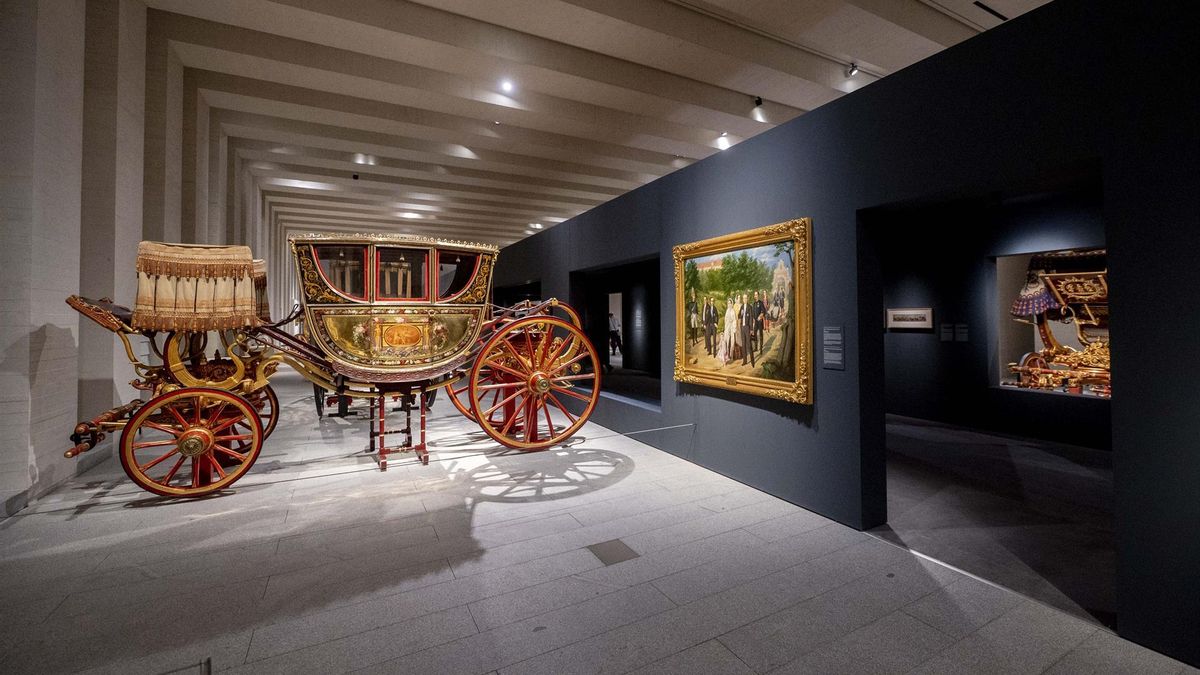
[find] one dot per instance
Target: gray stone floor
(479, 563)
(1033, 516)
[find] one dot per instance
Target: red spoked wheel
(191, 442)
(526, 376)
(460, 393)
(266, 402)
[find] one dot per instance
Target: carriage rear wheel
(527, 379)
(191, 442)
(266, 402)
(460, 392)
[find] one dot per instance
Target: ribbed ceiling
(386, 115)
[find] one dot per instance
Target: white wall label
(833, 348)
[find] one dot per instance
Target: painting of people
(739, 316)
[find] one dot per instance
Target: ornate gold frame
(799, 231)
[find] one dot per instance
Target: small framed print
(910, 318)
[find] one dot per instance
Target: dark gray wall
(1072, 82)
(942, 256)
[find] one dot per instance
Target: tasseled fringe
(259, 274)
(161, 321)
(198, 262)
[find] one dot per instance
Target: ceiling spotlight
(536, 226)
(496, 122)
(724, 134)
(852, 70)
(757, 101)
(506, 86)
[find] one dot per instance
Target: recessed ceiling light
(506, 86)
(360, 158)
(536, 226)
(410, 215)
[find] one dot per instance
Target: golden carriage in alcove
(381, 316)
(1070, 288)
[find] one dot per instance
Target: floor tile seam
(904, 609)
(172, 557)
(1093, 629)
(430, 586)
(368, 630)
(636, 495)
(767, 574)
(589, 500)
(992, 584)
(336, 528)
(55, 610)
(474, 621)
(584, 638)
(137, 603)
(701, 519)
(608, 591)
(364, 575)
(297, 617)
(649, 558)
(641, 666)
(785, 570)
(576, 531)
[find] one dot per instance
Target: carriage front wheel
(191, 442)
(535, 383)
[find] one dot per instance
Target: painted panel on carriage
(395, 337)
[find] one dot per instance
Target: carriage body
(381, 317)
(393, 308)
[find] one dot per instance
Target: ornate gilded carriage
(381, 316)
(1069, 287)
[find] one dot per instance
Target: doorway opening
(999, 465)
(619, 305)
(616, 357)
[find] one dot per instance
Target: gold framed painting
(743, 311)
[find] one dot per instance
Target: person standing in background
(709, 320)
(760, 317)
(693, 319)
(614, 334)
(746, 324)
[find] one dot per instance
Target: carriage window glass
(344, 267)
(455, 271)
(402, 273)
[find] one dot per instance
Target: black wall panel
(1072, 82)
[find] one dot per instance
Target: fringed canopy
(194, 287)
(261, 301)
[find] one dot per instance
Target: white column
(111, 205)
(41, 148)
(162, 185)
